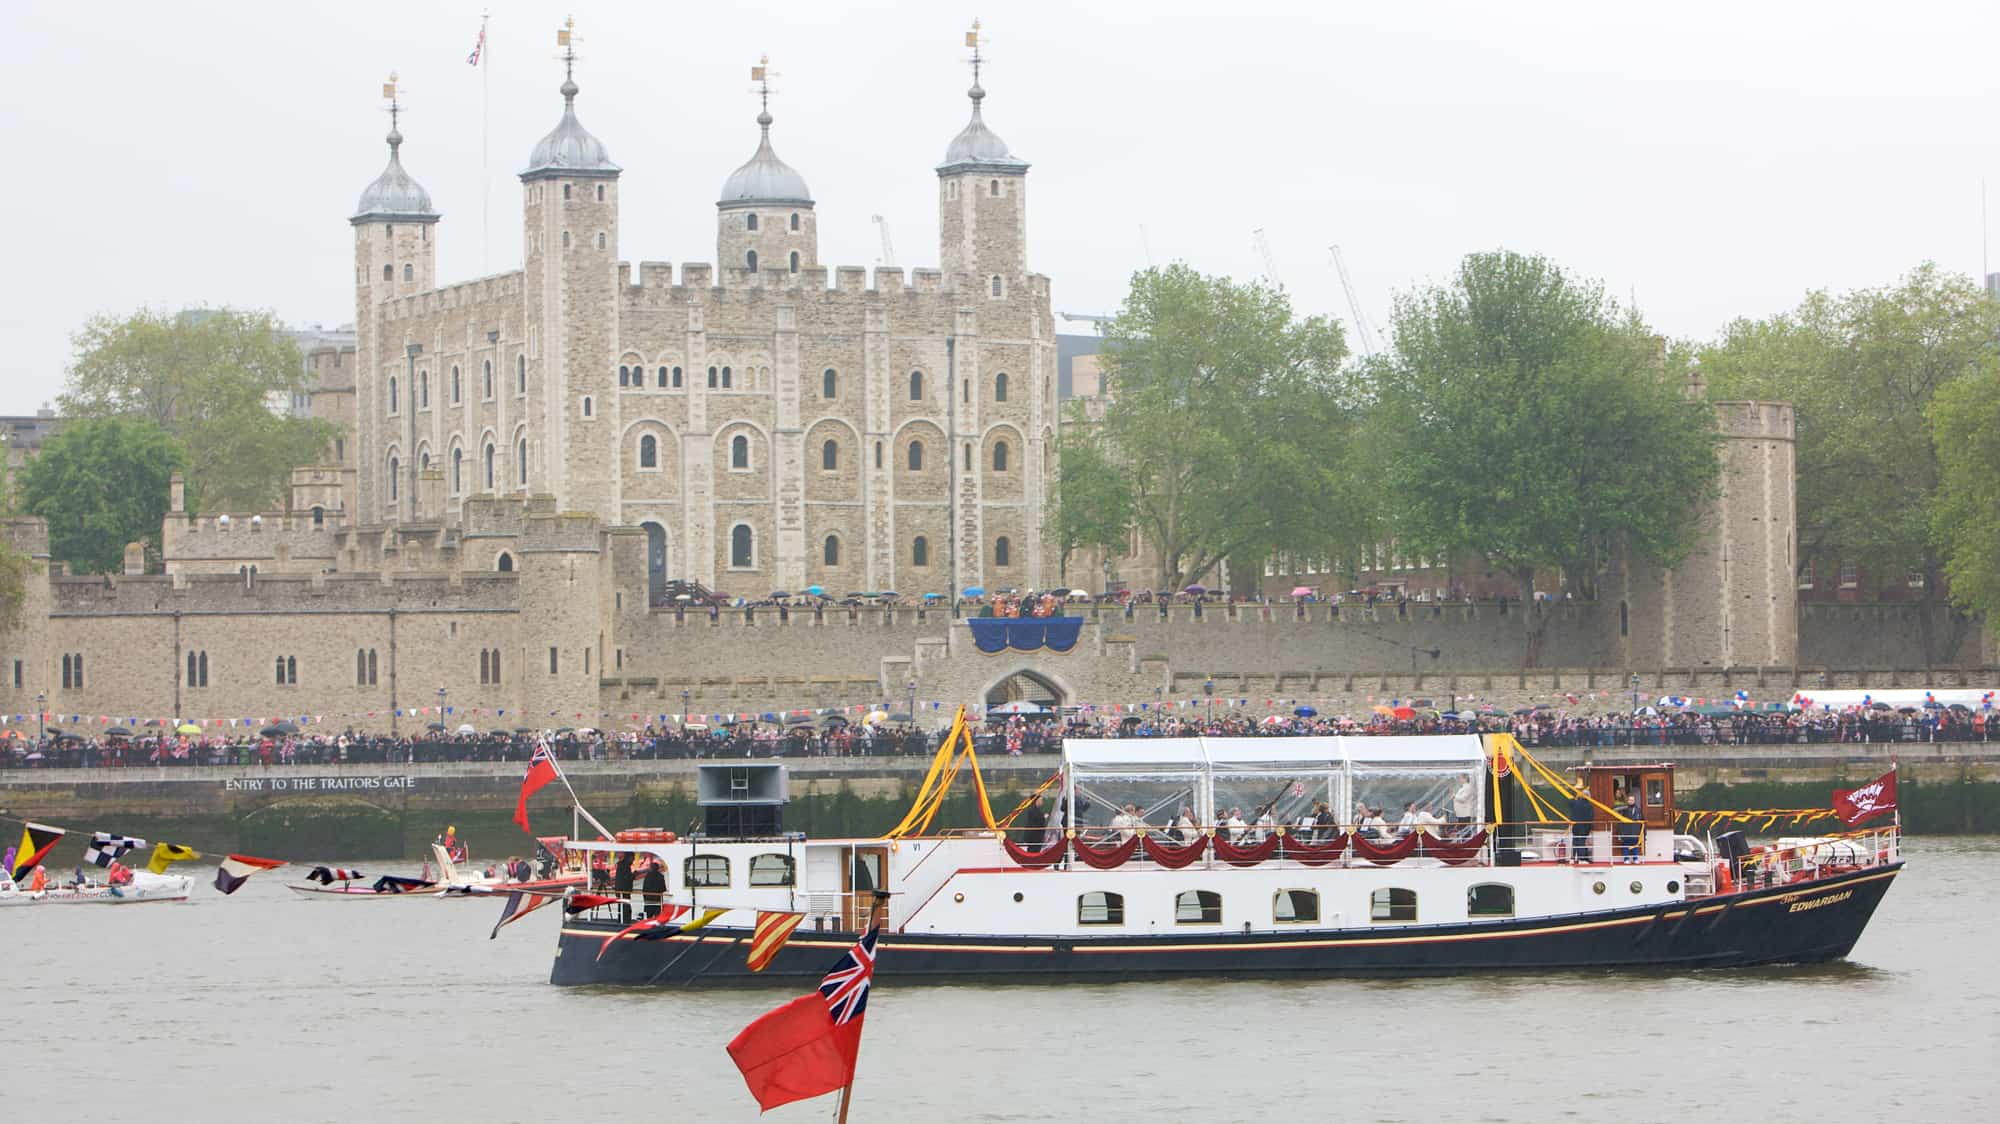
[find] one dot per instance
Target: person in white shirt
(1267, 822)
(1464, 802)
(1127, 823)
(1427, 820)
(1408, 823)
(1189, 831)
(1372, 823)
(1237, 827)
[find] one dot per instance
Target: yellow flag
(702, 922)
(166, 853)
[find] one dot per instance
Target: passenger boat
(1490, 890)
(144, 887)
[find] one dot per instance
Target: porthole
(1017, 895)
(1637, 887)
(958, 897)
(1597, 887)
(1673, 887)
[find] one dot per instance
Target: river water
(265, 1006)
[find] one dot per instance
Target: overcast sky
(1715, 159)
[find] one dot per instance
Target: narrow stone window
(916, 458)
(831, 554)
(649, 452)
(750, 261)
(739, 451)
(916, 386)
(795, 220)
(829, 383)
(1000, 387)
(829, 456)
(750, 223)
(920, 551)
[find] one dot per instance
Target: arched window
(1003, 551)
(587, 406)
(712, 372)
(878, 454)
(750, 261)
(920, 551)
(600, 193)
(705, 870)
(661, 380)
(999, 456)
(1000, 387)
(423, 390)
(454, 384)
(486, 380)
(995, 285)
(916, 456)
(1100, 907)
(649, 452)
(750, 221)
(395, 398)
(600, 240)
(360, 666)
(739, 451)
(395, 477)
(192, 681)
(409, 272)
(372, 680)
(487, 455)
(496, 665)
(741, 546)
(1489, 899)
(725, 378)
(677, 378)
(566, 191)
(829, 455)
(388, 273)
(795, 261)
(831, 555)
(565, 237)
(1392, 903)
(506, 563)
(966, 456)
(916, 386)
(485, 667)
(319, 517)
(457, 470)
(1197, 907)
(423, 460)
(795, 220)
(521, 374)
(1295, 907)
(201, 664)
(521, 460)
(772, 869)
(996, 189)
(624, 376)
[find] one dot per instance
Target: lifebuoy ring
(1725, 880)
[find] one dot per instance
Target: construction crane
(1263, 245)
(1354, 303)
(1097, 321)
(888, 247)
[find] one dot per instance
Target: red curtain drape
(1105, 858)
(1174, 856)
(1236, 854)
(1371, 851)
(1048, 855)
(1462, 851)
(1314, 854)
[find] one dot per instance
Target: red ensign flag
(807, 1047)
(541, 770)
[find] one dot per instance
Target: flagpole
(847, 1090)
(485, 135)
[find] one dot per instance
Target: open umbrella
(876, 717)
(973, 591)
(1467, 716)
(467, 728)
(1525, 710)
(1195, 589)
(438, 727)
(776, 594)
(522, 730)
(1302, 591)
(1383, 710)
(187, 728)
(117, 732)
(816, 591)
(899, 717)
(1647, 712)
(1305, 712)
(833, 720)
(1079, 593)
(1274, 720)
(1404, 712)
(275, 731)
(498, 734)
(286, 726)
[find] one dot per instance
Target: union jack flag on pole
(479, 47)
(808, 1047)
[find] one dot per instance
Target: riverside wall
(326, 813)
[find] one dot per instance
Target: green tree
(1965, 516)
(101, 483)
(1093, 503)
(15, 568)
(208, 378)
(1524, 420)
(1862, 370)
(1227, 418)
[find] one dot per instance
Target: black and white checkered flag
(105, 847)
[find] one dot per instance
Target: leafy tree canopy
(1227, 420)
(1965, 516)
(1523, 419)
(101, 483)
(207, 378)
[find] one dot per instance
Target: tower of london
(768, 421)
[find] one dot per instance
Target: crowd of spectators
(1535, 727)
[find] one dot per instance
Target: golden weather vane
(974, 40)
(761, 74)
(390, 89)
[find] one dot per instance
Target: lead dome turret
(394, 194)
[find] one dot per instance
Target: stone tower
(395, 255)
(983, 203)
(570, 222)
(765, 219)
(1733, 601)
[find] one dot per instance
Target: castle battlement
(465, 294)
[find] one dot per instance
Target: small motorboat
(144, 887)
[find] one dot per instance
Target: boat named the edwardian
(1467, 886)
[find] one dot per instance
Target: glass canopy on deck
(1218, 777)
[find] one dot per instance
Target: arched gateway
(1026, 686)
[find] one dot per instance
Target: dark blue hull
(1800, 923)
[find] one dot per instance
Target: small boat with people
(139, 886)
(450, 879)
(1201, 856)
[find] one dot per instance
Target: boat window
(1197, 907)
(1392, 903)
(1100, 907)
(771, 870)
(1489, 899)
(705, 870)
(1656, 792)
(1295, 907)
